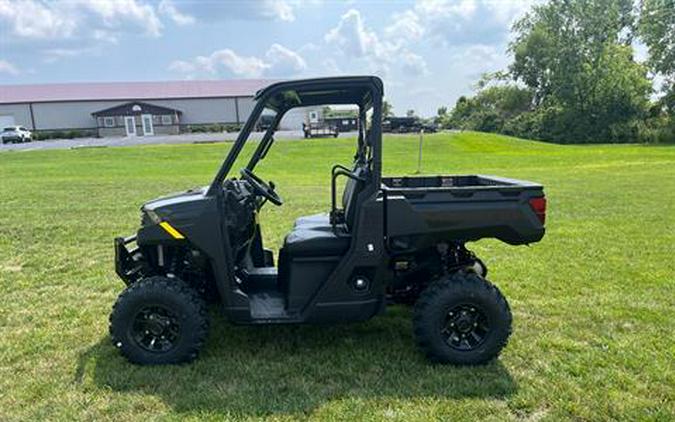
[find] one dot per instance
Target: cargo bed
(428, 209)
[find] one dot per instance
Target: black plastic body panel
(304, 276)
(424, 210)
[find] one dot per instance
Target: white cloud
(279, 9)
(452, 22)
(352, 36)
(8, 68)
(278, 61)
(183, 66)
(123, 13)
(35, 20)
(413, 64)
(167, 8)
(283, 61)
(463, 8)
(238, 65)
(76, 19)
(472, 35)
(275, 10)
(331, 66)
(406, 25)
(226, 59)
(353, 39)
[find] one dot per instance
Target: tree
(490, 109)
(387, 109)
(576, 57)
(657, 31)
(410, 113)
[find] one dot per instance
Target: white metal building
(74, 106)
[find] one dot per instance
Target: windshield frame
(372, 99)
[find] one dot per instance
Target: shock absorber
(442, 249)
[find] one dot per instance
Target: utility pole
(419, 157)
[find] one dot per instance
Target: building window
(108, 122)
(166, 119)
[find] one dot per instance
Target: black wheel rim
(465, 327)
(156, 329)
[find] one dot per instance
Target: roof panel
(130, 90)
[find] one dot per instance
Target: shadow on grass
(295, 369)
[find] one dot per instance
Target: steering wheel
(261, 188)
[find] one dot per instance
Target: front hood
(166, 204)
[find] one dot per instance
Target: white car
(16, 134)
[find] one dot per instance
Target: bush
(525, 125)
(657, 130)
(232, 127)
(62, 134)
(213, 128)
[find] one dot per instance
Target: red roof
(130, 90)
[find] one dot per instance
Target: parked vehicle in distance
(264, 123)
(343, 124)
(407, 125)
(320, 130)
(388, 240)
(16, 134)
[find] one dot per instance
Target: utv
(389, 240)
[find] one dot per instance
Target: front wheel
(462, 320)
(159, 320)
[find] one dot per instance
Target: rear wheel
(159, 321)
(462, 320)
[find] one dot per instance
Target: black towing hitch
(128, 264)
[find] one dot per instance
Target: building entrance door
(147, 125)
(130, 125)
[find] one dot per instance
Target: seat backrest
(352, 189)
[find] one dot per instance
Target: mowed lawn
(593, 303)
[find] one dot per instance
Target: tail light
(539, 207)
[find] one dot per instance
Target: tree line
(574, 77)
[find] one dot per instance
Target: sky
(428, 52)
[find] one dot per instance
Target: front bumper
(128, 262)
(12, 138)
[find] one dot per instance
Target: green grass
(593, 303)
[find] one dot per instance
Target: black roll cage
(364, 91)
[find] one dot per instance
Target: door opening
(148, 129)
(130, 125)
